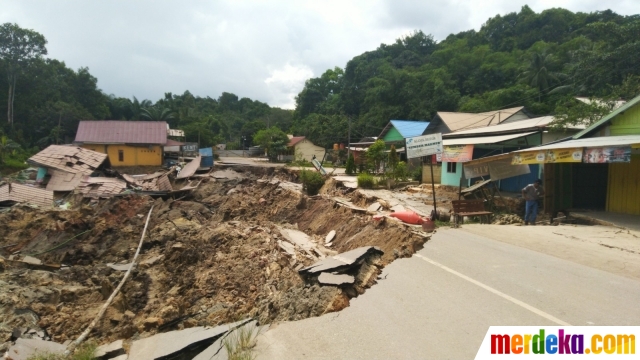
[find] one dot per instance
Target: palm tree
(538, 74)
(7, 147)
(156, 113)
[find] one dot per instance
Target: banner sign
(424, 145)
(474, 171)
(457, 153)
(607, 155)
(502, 169)
(548, 156)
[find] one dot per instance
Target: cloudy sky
(263, 50)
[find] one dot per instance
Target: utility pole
(349, 140)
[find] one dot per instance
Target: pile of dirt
(210, 258)
(507, 219)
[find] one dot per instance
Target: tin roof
(72, 159)
(457, 121)
(484, 139)
(294, 140)
(122, 132)
(622, 140)
(26, 194)
(406, 128)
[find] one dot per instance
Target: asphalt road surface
(439, 303)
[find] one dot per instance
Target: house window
(452, 167)
(120, 155)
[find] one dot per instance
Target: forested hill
(538, 60)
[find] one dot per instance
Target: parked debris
(190, 168)
(186, 342)
(18, 193)
(158, 181)
(340, 262)
(217, 257)
(335, 279)
(69, 158)
(100, 187)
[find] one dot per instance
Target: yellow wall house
(608, 177)
(304, 149)
(126, 143)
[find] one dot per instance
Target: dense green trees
(537, 60)
(19, 48)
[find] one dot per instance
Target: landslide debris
(210, 258)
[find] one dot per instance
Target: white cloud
(285, 83)
(256, 49)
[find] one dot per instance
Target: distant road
(439, 303)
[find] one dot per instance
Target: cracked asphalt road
(439, 303)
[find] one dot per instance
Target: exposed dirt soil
(209, 258)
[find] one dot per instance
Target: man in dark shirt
(531, 193)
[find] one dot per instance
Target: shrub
(366, 181)
(401, 172)
(416, 174)
(311, 181)
(351, 165)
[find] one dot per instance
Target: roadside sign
(424, 145)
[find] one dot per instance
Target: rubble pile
(240, 245)
(507, 219)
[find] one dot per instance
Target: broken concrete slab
(287, 247)
(302, 240)
(330, 236)
(374, 207)
(119, 267)
(398, 208)
(109, 351)
(341, 261)
(217, 350)
(25, 348)
(174, 342)
(335, 279)
(121, 357)
(227, 174)
(31, 260)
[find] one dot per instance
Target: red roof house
(126, 143)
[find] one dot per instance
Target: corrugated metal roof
(623, 140)
(294, 140)
(68, 158)
(406, 128)
(527, 124)
(484, 139)
(171, 142)
(631, 103)
(190, 169)
(26, 194)
(458, 121)
(122, 132)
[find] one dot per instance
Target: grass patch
(440, 223)
(85, 351)
(366, 181)
(241, 342)
(312, 181)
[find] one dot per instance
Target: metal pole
(433, 190)
(349, 140)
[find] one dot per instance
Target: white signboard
(424, 145)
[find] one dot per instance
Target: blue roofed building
(397, 130)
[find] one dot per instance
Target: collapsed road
(245, 244)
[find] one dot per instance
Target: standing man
(531, 193)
